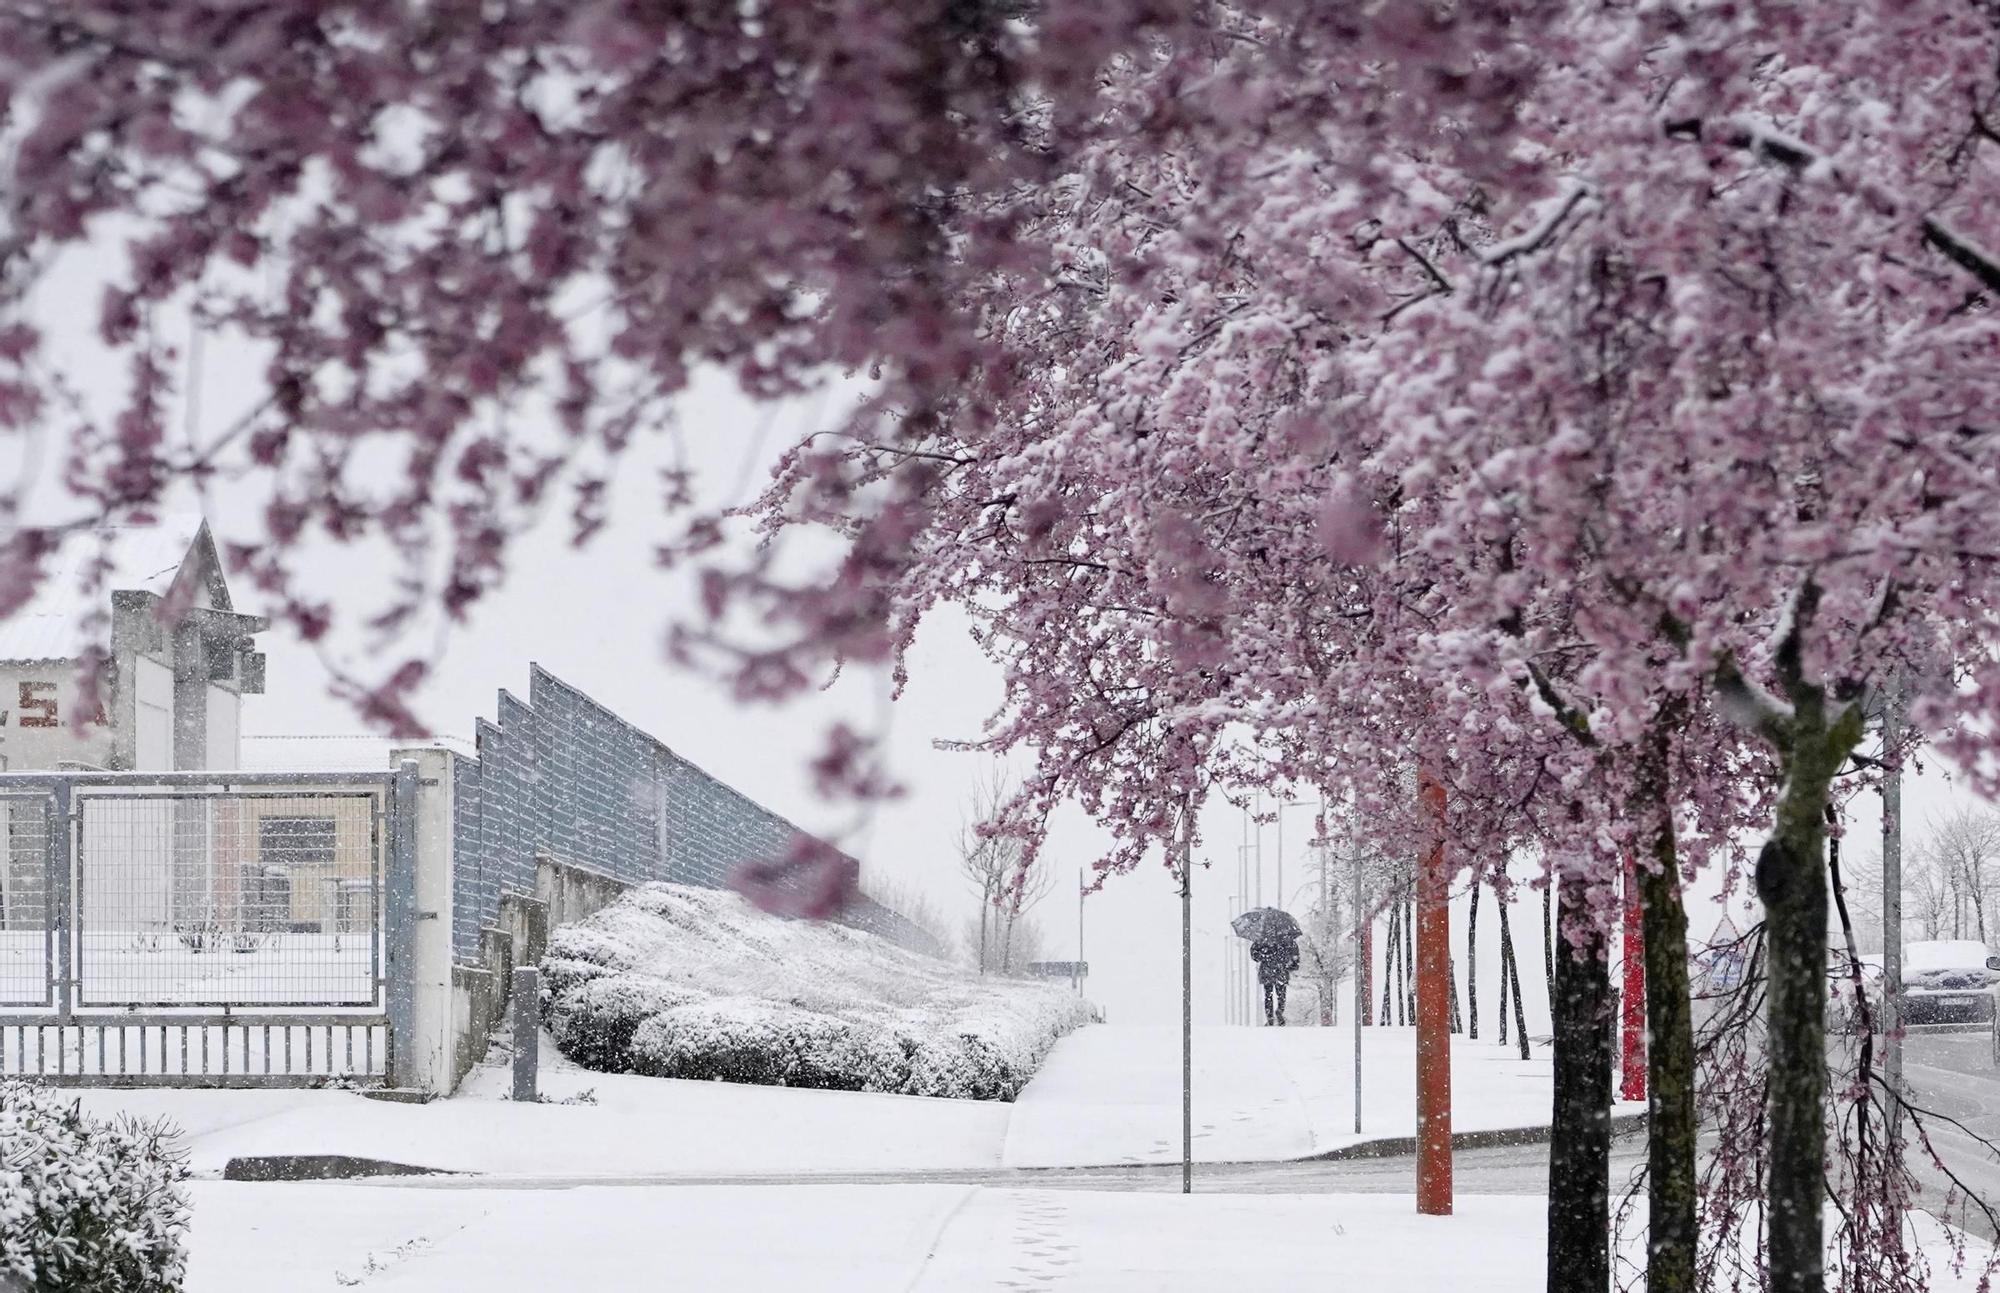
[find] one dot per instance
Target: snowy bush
(679, 982)
(752, 1041)
(598, 1015)
(87, 1206)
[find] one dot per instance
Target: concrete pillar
(527, 1031)
(432, 1043)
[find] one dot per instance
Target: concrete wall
(570, 893)
(224, 744)
(152, 717)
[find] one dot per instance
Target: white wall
(153, 735)
(38, 709)
(224, 723)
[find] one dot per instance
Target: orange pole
(1433, 1014)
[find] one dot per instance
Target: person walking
(1276, 951)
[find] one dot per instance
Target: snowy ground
(1113, 1094)
(117, 967)
(855, 1239)
(1108, 1095)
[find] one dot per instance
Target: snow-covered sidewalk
(1112, 1095)
(856, 1239)
(636, 1127)
(1108, 1096)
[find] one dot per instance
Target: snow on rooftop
(340, 753)
(54, 625)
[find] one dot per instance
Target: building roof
(56, 622)
(337, 753)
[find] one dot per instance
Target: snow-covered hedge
(695, 983)
(87, 1206)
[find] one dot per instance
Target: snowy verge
(1111, 1095)
(679, 982)
(866, 1238)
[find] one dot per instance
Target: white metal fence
(204, 928)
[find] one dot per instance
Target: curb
(319, 1167)
(342, 1167)
(1401, 1146)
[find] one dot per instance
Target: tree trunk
(1791, 881)
(1472, 964)
(1389, 938)
(985, 912)
(1506, 963)
(1513, 981)
(1670, 1062)
(1548, 945)
(1456, 1024)
(1579, 1221)
(1409, 946)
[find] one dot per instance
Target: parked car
(1948, 982)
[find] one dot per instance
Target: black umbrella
(1265, 922)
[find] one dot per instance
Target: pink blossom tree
(1517, 390)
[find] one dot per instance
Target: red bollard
(1433, 1014)
(1633, 1053)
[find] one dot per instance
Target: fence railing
(204, 928)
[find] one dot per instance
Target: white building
(152, 601)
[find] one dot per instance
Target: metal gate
(204, 929)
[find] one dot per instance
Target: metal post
(399, 964)
(1892, 904)
(1361, 923)
(1077, 978)
(1433, 939)
(527, 1031)
(62, 900)
(1187, 1002)
(1258, 851)
(1279, 900)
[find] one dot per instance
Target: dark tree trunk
(1506, 963)
(1579, 1240)
(1670, 1065)
(1389, 940)
(1513, 964)
(1409, 947)
(1472, 964)
(1548, 945)
(1792, 884)
(1457, 1024)
(1791, 881)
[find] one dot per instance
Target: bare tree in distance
(1962, 850)
(913, 905)
(993, 864)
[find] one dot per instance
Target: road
(1953, 1075)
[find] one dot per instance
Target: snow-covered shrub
(962, 1068)
(693, 983)
(725, 1041)
(844, 1055)
(596, 1017)
(87, 1206)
